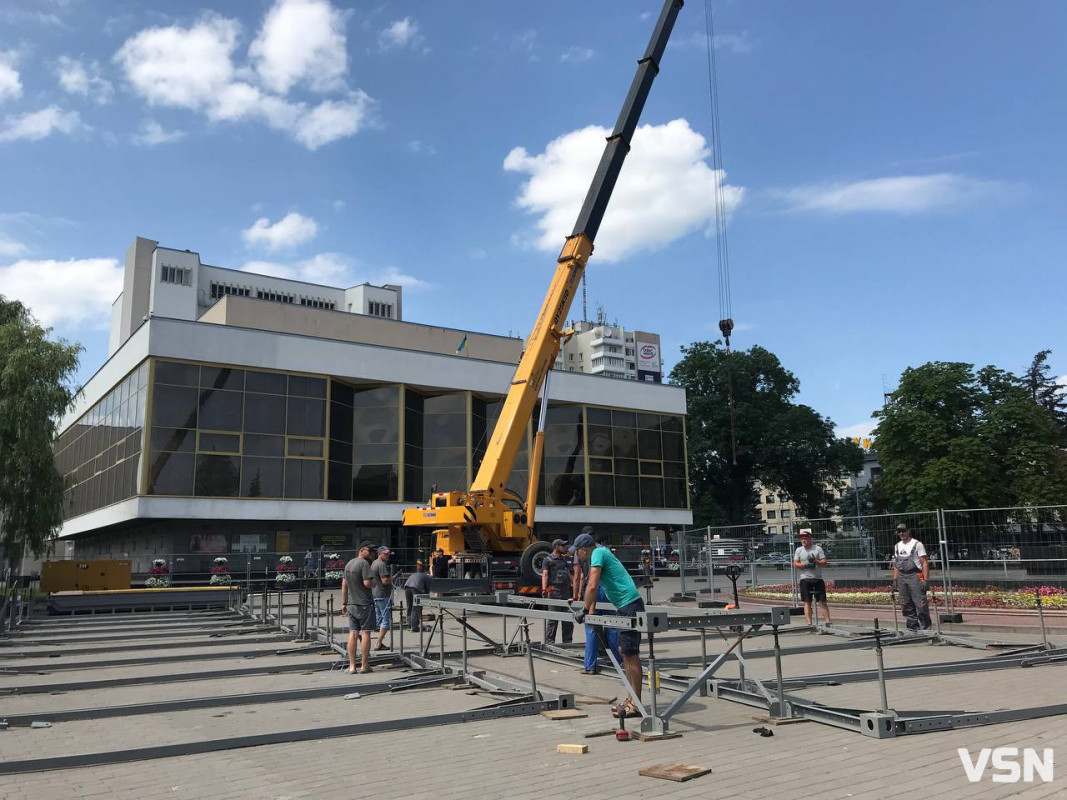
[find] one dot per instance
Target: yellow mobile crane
(489, 518)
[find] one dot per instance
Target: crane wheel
(532, 561)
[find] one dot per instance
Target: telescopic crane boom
(479, 519)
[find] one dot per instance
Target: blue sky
(895, 173)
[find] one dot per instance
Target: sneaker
(382, 647)
(588, 672)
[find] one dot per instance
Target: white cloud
(193, 68)
(906, 194)
(35, 125)
(339, 205)
(727, 42)
(9, 248)
(152, 133)
(576, 54)
(331, 120)
(1062, 380)
(65, 293)
(289, 231)
(665, 191)
(301, 41)
(397, 278)
(10, 83)
(334, 269)
(84, 79)
(860, 429)
(402, 33)
(420, 148)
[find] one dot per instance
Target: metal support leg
(896, 622)
(884, 708)
(464, 646)
(1041, 618)
(703, 648)
(781, 711)
(529, 659)
(403, 624)
(441, 637)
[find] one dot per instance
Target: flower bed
(1052, 597)
(285, 572)
(335, 568)
(220, 573)
(158, 575)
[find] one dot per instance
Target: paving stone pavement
(515, 757)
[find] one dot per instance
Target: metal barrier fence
(978, 552)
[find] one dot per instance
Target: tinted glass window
(375, 482)
(176, 374)
(262, 445)
(306, 417)
(171, 473)
(261, 477)
(303, 479)
(220, 442)
(221, 411)
(179, 440)
(217, 476)
(264, 413)
(222, 378)
(174, 407)
(266, 382)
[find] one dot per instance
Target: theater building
(242, 414)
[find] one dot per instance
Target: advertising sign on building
(649, 366)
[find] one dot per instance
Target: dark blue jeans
(592, 644)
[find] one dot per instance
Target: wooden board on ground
(674, 772)
(563, 713)
(573, 749)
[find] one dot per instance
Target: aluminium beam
(140, 646)
(281, 737)
(224, 701)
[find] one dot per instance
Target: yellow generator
(105, 574)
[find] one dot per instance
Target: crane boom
(478, 519)
(544, 343)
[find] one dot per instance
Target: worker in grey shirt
(417, 583)
(810, 559)
(357, 602)
(383, 594)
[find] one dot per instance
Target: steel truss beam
(282, 737)
(225, 701)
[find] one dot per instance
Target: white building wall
(174, 300)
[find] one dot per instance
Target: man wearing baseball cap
(556, 583)
(357, 604)
(810, 559)
(383, 594)
(911, 569)
(607, 572)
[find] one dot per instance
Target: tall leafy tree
(951, 437)
(35, 390)
(1045, 391)
(777, 441)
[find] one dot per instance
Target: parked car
(776, 560)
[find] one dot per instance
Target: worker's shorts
(630, 640)
(360, 618)
(812, 589)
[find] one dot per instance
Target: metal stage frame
(768, 695)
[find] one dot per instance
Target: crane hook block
(726, 326)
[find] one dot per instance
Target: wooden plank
(563, 713)
(573, 749)
(674, 772)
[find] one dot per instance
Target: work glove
(579, 615)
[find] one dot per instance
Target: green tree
(35, 391)
(779, 442)
(952, 438)
(1046, 392)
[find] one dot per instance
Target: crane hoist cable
(722, 245)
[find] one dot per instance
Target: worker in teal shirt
(607, 572)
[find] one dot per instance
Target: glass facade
(221, 432)
(216, 431)
(99, 456)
